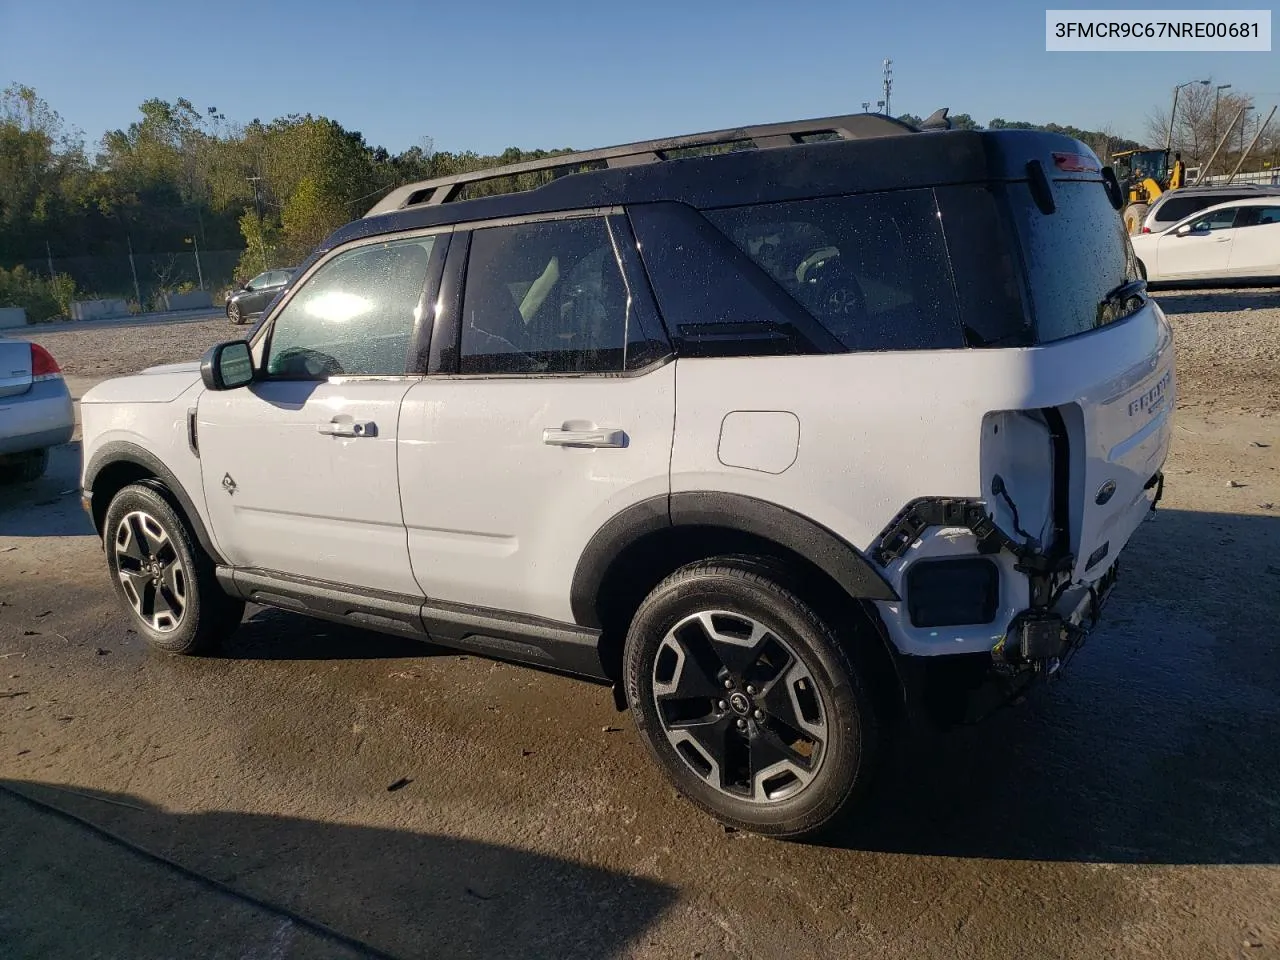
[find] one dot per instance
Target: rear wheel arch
(640, 547)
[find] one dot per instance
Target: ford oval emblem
(1105, 492)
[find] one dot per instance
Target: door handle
(589, 437)
(346, 427)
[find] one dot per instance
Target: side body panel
(282, 494)
(1256, 251)
(496, 516)
(878, 430)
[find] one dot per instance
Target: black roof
(870, 153)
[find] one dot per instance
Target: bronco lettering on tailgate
(1151, 400)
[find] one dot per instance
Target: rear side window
(1258, 216)
(548, 298)
(872, 270)
(1078, 258)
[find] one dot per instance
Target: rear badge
(1105, 492)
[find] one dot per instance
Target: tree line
(182, 175)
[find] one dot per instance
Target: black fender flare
(122, 451)
(835, 556)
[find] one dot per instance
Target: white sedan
(1238, 240)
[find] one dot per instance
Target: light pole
(1217, 96)
(1173, 115)
(199, 272)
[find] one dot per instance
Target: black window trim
(260, 339)
(444, 355)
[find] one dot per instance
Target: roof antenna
(937, 120)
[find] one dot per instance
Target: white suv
(788, 432)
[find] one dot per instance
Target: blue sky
(486, 75)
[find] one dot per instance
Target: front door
(555, 413)
(1204, 251)
(299, 468)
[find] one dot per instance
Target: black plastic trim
(839, 559)
(563, 647)
(446, 334)
(420, 343)
(117, 451)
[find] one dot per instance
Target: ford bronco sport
(787, 432)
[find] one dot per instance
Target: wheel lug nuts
(742, 724)
(728, 684)
(759, 714)
(751, 689)
(722, 705)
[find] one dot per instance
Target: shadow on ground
(1160, 744)
(1177, 299)
(383, 891)
(50, 506)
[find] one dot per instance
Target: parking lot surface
(316, 791)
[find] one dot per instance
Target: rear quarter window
(872, 270)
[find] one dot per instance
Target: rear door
(299, 468)
(549, 409)
(1204, 251)
(1256, 250)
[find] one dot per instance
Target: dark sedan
(249, 301)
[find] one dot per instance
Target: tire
(234, 314)
(793, 682)
(25, 468)
(164, 577)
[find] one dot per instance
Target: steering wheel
(834, 292)
(303, 361)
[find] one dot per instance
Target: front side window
(547, 297)
(258, 282)
(355, 316)
(1217, 220)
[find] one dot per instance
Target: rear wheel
(164, 577)
(748, 700)
(25, 467)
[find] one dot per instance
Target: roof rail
(858, 126)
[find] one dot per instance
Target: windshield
(1077, 259)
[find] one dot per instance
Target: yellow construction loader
(1144, 175)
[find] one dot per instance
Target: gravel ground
(1228, 346)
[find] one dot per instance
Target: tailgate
(1128, 421)
(15, 367)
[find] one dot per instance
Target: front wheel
(234, 314)
(749, 701)
(164, 577)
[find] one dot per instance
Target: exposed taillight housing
(43, 366)
(1146, 229)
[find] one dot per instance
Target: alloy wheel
(739, 706)
(233, 311)
(150, 571)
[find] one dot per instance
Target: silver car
(35, 409)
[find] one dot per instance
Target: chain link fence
(143, 279)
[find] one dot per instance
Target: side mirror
(1183, 230)
(226, 366)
